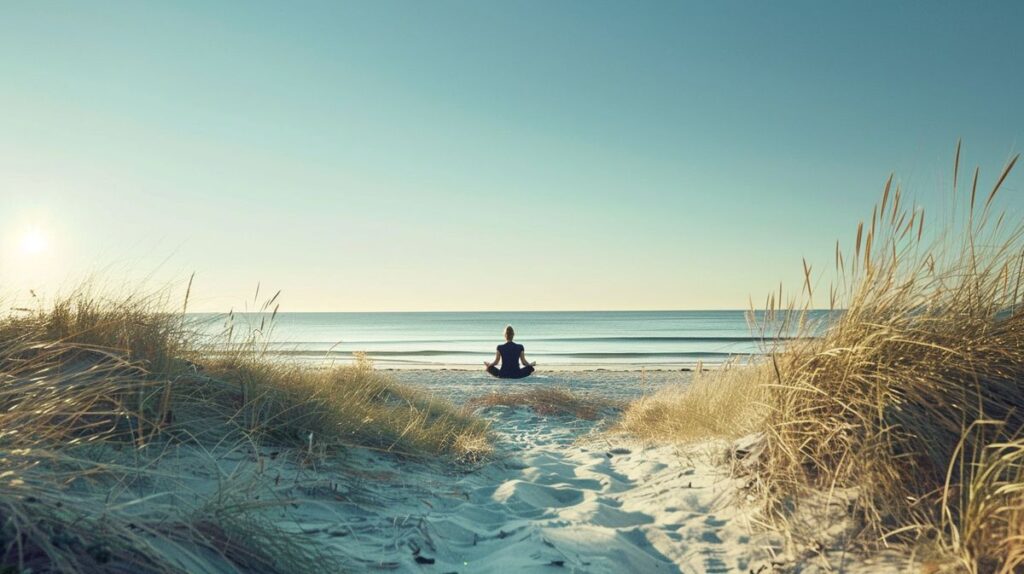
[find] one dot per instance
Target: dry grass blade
(1002, 178)
(956, 167)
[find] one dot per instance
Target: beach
(461, 384)
(154, 451)
(751, 273)
(180, 456)
(559, 493)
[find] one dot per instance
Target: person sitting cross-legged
(510, 355)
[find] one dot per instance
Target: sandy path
(559, 496)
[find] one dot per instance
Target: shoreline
(559, 368)
(461, 385)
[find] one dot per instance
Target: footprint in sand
(603, 512)
(517, 493)
(549, 505)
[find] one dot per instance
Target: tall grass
(726, 402)
(138, 327)
(347, 406)
(73, 421)
(912, 395)
(94, 390)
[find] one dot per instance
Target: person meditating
(510, 355)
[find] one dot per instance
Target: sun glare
(33, 242)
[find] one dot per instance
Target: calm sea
(609, 339)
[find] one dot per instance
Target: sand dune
(552, 500)
(560, 494)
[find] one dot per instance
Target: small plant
(725, 402)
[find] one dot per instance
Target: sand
(458, 385)
(560, 494)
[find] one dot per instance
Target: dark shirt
(510, 353)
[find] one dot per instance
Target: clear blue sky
(480, 155)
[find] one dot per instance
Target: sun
(33, 242)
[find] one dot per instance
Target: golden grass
(136, 327)
(93, 390)
(73, 426)
(347, 405)
(548, 401)
(52, 523)
(913, 396)
(726, 402)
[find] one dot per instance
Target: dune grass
(94, 391)
(548, 401)
(913, 395)
(346, 406)
(74, 424)
(726, 402)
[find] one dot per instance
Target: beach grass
(725, 402)
(351, 405)
(912, 398)
(94, 394)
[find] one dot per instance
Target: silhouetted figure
(510, 355)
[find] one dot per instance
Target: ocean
(559, 339)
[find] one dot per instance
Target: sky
(404, 156)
